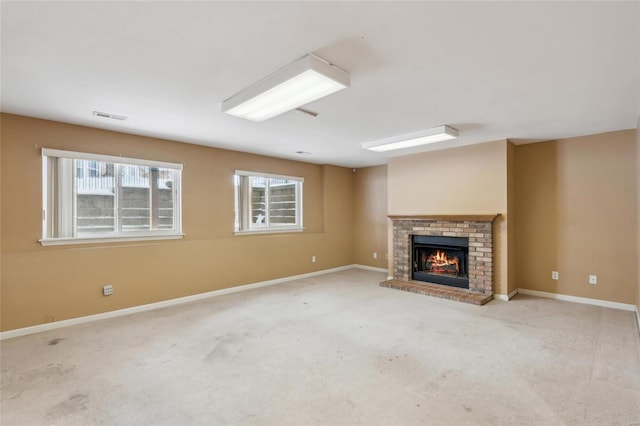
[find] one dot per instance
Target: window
(91, 198)
(267, 203)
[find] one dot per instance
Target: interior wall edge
(566, 190)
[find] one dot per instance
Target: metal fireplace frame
(458, 244)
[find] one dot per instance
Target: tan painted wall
(370, 219)
(465, 180)
(41, 284)
(638, 214)
(0, 220)
(576, 210)
(512, 276)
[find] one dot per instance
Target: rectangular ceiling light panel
(305, 80)
(434, 134)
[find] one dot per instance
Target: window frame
(58, 200)
(242, 215)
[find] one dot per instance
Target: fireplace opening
(440, 260)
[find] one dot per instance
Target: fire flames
(441, 264)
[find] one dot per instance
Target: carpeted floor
(331, 350)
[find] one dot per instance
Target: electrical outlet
(313, 259)
(555, 275)
(375, 255)
(593, 279)
(107, 290)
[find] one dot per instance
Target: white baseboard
(576, 299)
(506, 297)
(513, 293)
(371, 268)
(171, 302)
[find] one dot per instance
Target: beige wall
(465, 180)
(638, 215)
(41, 284)
(0, 221)
(512, 276)
(576, 209)
(561, 192)
(370, 219)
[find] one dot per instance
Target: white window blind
(90, 197)
(267, 202)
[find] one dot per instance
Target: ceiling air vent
(111, 116)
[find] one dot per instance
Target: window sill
(94, 240)
(269, 231)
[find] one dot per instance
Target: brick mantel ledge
(451, 217)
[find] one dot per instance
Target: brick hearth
(479, 230)
(441, 291)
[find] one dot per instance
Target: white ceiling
(493, 70)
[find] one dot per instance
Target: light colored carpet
(336, 349)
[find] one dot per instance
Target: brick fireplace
(478, 229)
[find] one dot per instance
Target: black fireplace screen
(441, 260)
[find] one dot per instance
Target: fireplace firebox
(441, 260)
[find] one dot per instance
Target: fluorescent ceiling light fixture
(434, 134)
(109, 115)
(303, 81)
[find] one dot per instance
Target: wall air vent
(111, 116)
